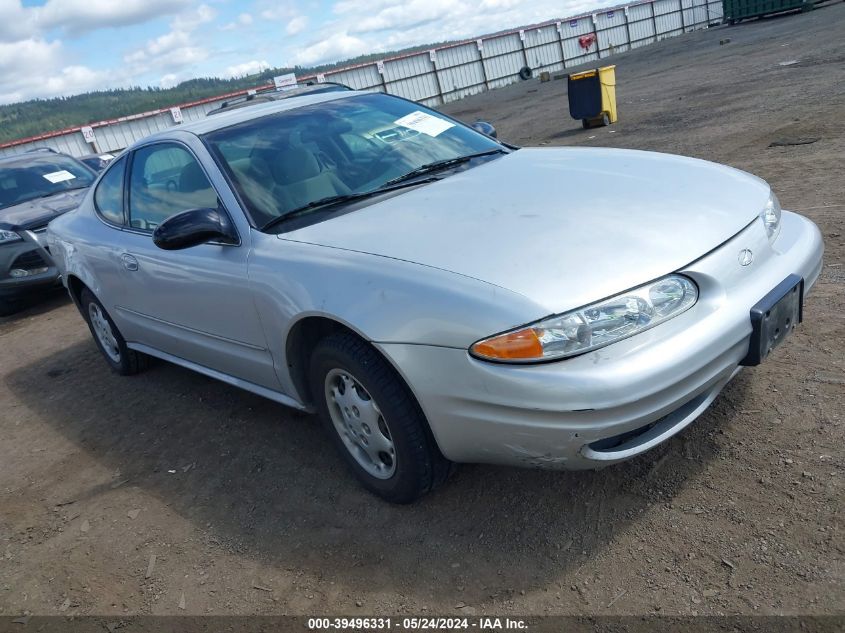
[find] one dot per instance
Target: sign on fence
(285, 82)
(88, 134)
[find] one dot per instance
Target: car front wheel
(374, 420)
(111, 344)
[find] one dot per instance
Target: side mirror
(485, 128)
(194, 227)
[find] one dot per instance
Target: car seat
(300, 180)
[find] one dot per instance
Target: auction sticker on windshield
(59, 176)
(424, 122)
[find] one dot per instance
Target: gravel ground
(170, 493)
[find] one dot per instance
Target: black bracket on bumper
(774, 317)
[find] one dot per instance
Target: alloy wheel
(360, 424)
(103, 331)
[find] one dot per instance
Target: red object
(586, 41)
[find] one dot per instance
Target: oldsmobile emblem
(745, 257)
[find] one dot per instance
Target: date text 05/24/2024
(417, 624)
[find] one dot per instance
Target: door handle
(129, 262)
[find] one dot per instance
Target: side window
(108, 198)
(166, 179)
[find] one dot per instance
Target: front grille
(28, 261)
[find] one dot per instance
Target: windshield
(288, 160)
(32, 176)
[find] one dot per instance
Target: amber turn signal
(519, 345)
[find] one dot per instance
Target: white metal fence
(442, 74)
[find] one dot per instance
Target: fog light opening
(18, 273)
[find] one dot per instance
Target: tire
(119, 357)
(525, 73)
(384, 437)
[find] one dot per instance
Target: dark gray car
(35, 188)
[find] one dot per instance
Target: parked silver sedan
(434, 295)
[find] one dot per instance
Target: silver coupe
(435, 295)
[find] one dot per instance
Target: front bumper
(639, 391)
(29, 254)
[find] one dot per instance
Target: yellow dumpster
(592, 96)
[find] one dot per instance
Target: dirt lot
(247, 509)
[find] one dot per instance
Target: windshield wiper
(439, 165)
(340, 199)
(50, 194)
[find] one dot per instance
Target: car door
(196, 303)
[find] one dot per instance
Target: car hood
(562, 226)
(38, 212)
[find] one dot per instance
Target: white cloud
(73, 79)
(16, 23)
(247, 68)
(244, 19)
(174, 49)
(337, 46)
(359, 6)
(193, 18)
(173, 52)
(80, 16)
(372, 26)
(297, 25)
(34, 68)
(406, 15)
(421, 21)
(169, 80)
(166, 43)
(276, 10)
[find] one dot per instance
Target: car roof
(30, 156)
(272, 94)
(239, 115)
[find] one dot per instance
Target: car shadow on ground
(36, 305)
(264, 481)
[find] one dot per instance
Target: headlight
(6, 237)
(771, 217)
(592, 326)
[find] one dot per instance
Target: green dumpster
(736, 10)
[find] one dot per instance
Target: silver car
(436, 296)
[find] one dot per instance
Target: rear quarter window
(108, 197)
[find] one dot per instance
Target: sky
(51, 48)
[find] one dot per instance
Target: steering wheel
(381, 161)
